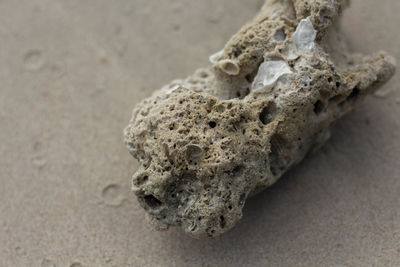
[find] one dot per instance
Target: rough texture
(209, 142)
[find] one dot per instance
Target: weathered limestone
(207, 143)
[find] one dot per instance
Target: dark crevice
(141, 180)
(237, 170)
(152, 201)
(319, 107)
(237, 51)
(354, 95)
(222, 221)
(212, 124)
(268, 113)
(249, 78)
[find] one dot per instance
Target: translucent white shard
(170, 90)
(304, 36)
(214, 57)
(269, 73)
(175, 85)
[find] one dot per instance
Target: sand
(70, 74)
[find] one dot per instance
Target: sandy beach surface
(70, 74)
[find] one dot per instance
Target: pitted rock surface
(207, 143)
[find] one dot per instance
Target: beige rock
(207, 143)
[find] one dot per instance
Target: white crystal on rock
(269, 73)
(175, 85)
(214, 57)
(304, 36)
(174, 88)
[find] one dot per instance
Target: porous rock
(207, 143)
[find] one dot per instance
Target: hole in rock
(249, 78)
(237, 51)
(237, 170)
(212, 124)
(354, 94)
(318, 107)
(222, 222)
(152, 201)
(280, 35)
(141, 180)
(268, 113)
